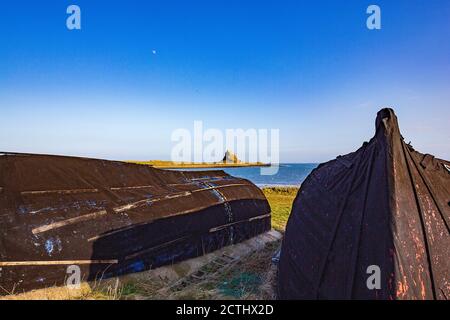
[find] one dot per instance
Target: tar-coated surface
(384, 205)
(112, 218)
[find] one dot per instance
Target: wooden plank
(137, 254)
(260, 217)
(237, 222)
(130, 188)
(74, 191)
(54, 263)
(134, 205)
(63, 223)
(221, 187)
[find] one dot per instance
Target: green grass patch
(280, 200)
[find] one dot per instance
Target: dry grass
(252, 277)
(87, 291)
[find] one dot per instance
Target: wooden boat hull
(110, 218)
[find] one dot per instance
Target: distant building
(230, 157)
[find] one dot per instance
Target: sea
(289, 174)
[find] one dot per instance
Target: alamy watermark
(73, 21)
(210, 145)
(373, 22)
(74, 277)
(374, 280)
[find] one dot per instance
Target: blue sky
(310, 68)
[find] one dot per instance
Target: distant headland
(229, 160)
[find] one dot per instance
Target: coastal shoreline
(169, 165)
(286, 186)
